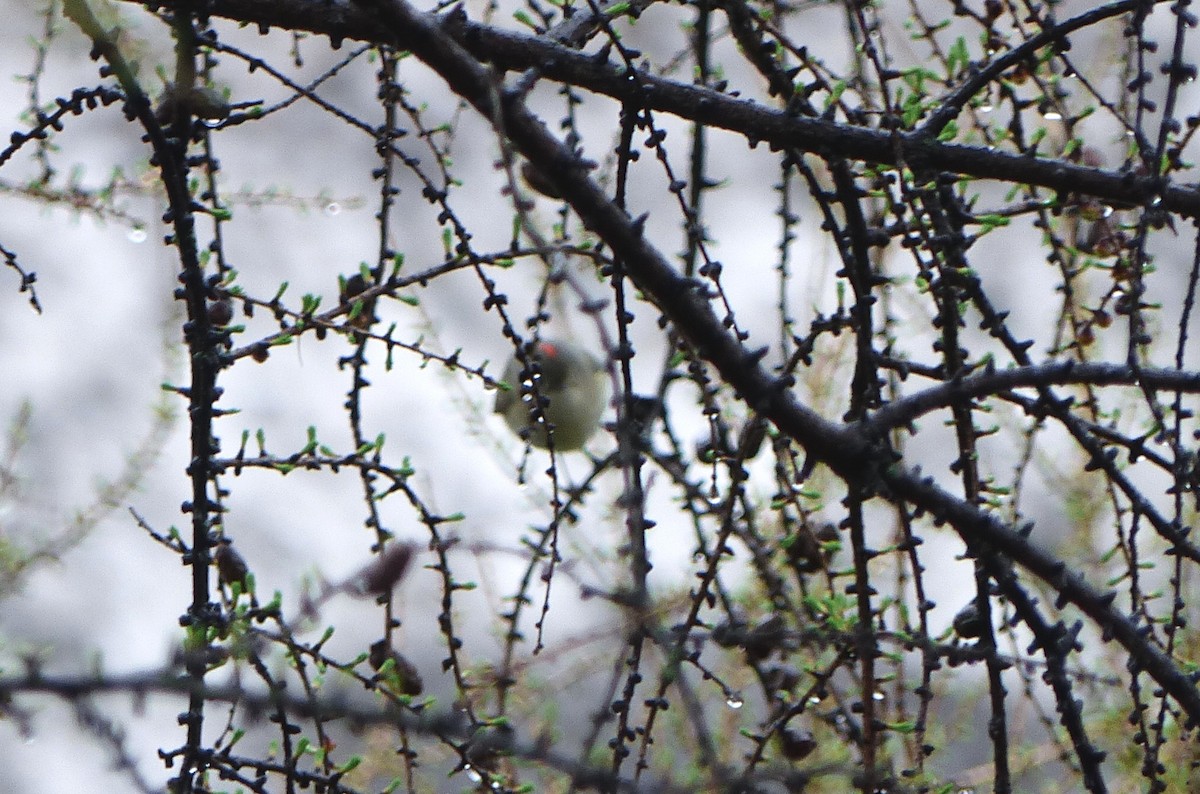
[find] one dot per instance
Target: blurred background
(91, 434)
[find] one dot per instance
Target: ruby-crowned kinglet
(572, 385)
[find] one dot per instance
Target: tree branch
(508, 51)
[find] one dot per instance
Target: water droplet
(734, 701)
(137, 235)
(877, 696)
(988, 108)
(333, 208)
(1052, 115)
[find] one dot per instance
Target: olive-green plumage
(574, 389)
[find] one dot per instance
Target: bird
(569, 383)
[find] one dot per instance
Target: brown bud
(378, 577)
(753, 434)
(401, 675)
(768, 636)
(810, 552)
(351, 288)
(967, 623)
(488, 743)
(220, 312)
(796, 744)
(231, 567)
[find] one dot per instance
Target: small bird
(570, 384)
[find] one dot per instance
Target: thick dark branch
(990, 382)
(846, 451)
(449, 725)
(506, 50)
(456, 49)
(257, 704)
